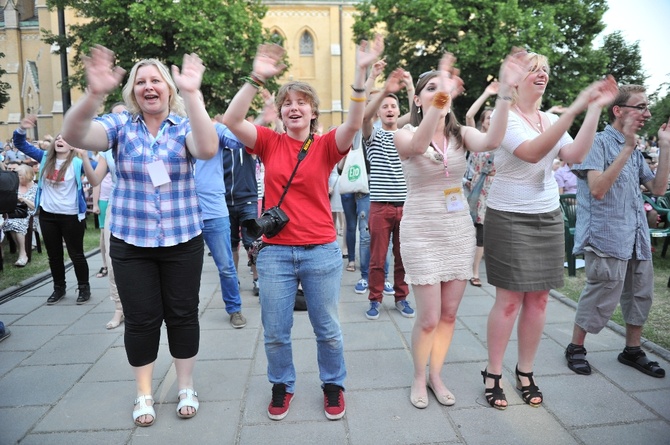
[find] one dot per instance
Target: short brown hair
(625, 92)
(306, 90)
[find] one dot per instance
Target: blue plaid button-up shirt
(144, 215)
(616, 224)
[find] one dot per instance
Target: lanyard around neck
(445, 146)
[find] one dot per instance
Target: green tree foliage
(224, 33)
(4, 86)
(660, 110)
(624, 59)
(481, 32)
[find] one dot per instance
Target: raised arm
(20, 142)
(267, 64)
(368, 53)
(512, 71)
(659, 184)
(594, 97)
(96, 174)
(447, 84)
(102, 77)
(600, 95)
(202, 142)
(490, 90)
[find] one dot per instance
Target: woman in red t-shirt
(305, 250)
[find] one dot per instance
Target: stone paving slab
(64, 378)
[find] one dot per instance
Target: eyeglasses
(642, 108)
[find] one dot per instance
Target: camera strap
(301, 155)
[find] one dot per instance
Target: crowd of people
(443, 196)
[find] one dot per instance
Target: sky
(645, 21)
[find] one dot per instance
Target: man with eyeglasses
(612, 231)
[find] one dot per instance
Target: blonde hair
(27, 170)
(176, 104)
(536, 62)
(308, 92)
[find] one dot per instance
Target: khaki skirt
(524, 252)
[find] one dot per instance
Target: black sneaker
(57, 295)
(256, 289)
(84, 293)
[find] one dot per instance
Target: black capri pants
(156, 284)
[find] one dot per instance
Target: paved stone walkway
(64, 379)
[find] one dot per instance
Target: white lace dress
(436, 245)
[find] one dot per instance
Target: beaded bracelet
(252, 82)
(440, 100)
(257, 79)
(357, 99)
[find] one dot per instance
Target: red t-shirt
(306, 203)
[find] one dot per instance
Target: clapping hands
(513, 70)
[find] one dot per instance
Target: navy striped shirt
(387, 181)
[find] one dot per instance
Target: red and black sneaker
(281, 400)
(333, 401)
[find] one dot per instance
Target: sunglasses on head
(422, 75)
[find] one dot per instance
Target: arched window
(277, 38)
(306, 44)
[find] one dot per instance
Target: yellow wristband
(357, 99)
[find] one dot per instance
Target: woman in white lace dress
(436, 232)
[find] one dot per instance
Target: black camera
(269, 223)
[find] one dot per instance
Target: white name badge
(158, 173)
(454, 199)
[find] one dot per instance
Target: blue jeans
(239, 213)
(217, 237)
(356, 212)
(319, 269)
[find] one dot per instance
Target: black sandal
(642, 363)
(101, 273)
(495, 394)
(576, 356)
(529, 392)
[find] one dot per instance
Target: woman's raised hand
(28, 121)
(513, 70)
(267, 63)
(190, 77)
(492, 88)
(449, 76)
(369, 52)
(599, 93)
(377, 68)
(605, 92)
(395, 81)
(102, 76)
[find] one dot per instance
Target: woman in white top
(523, 230)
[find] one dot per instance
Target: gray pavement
(64, 378)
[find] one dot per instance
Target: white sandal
(144, 410)
(187, 401)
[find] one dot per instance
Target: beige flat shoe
(446, 399)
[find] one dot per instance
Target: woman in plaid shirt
(156, 241)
